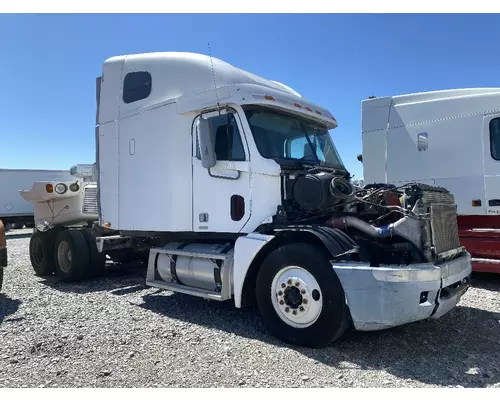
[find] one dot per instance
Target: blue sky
(49, 64)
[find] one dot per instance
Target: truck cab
(259, 128)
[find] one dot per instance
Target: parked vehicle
(234, 191)
(448, 138)
(14, 211)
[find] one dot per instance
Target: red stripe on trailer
(480, 235)
(483, 265)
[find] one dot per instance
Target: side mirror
(207, 146)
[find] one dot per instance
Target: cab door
(491, 135)
(221, 194)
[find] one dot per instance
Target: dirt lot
(117, 332)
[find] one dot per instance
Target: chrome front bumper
(388, 296)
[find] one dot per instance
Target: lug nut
(280, 293)
(289, 281)
(297, 283)
(301, 308)
(287, 309)
(283, 285)
(304, 301)
(294, 312)
(303, 291)
(282, 302)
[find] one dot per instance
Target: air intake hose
(407, 228)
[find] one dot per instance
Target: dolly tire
(42, 252)
(71, 255)
(97, 261)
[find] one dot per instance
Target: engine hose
(353, 222)
(406, 227)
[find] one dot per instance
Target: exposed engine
(391, 225)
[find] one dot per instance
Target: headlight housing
(61, 188)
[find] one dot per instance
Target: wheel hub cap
(292, 297)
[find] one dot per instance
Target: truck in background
(15, 212)
(233, 190)
(65, 204)
(448, 138)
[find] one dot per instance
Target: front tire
(299, 296)
(71, 255)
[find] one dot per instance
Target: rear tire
(42, 252)
(300, 297)
(71, 255)
(97, 261)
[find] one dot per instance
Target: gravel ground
(116, 332)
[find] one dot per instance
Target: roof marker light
(309, 109)
(297, 105)
(269, 98)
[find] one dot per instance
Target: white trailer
(14, 210)
(448, 138)
(230, 187)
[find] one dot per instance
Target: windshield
(281, 135)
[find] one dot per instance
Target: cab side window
(136, 86)
(228, 144)
(495, 138)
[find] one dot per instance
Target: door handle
(230, 177)
(233, 166)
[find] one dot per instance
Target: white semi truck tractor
(229, 187)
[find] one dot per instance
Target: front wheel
(300, 297)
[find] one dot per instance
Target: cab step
(174, 287)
